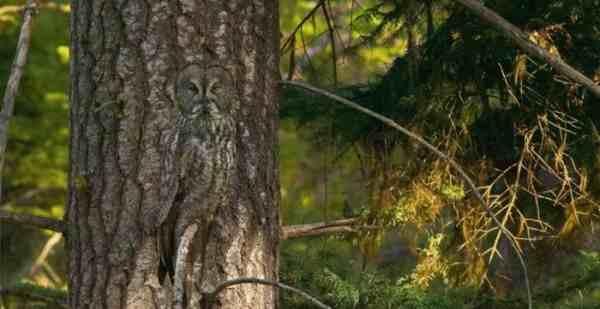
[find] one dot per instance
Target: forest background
(526, 134)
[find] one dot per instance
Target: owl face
(197, 98)
(200, 94)
(202, 100)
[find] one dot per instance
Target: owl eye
(191, 87)
(214, 86)
(215, 90)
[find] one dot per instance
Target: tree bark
(173, 125)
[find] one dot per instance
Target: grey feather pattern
(204, 151)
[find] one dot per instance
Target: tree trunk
(173, 131)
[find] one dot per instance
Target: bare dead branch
(35, 221)
(322, 228)
(462, 173)
(41, 259)
(522, 40)
(12, 87)
(306, 230)
(210, 297)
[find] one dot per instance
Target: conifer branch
(462, 173)
(522, 40)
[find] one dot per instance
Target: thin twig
(36, 221)
(463, 174)
(310, 14)
(12, 87)
(522, 40)
(332, 41)
(292, 67)
(210, 297)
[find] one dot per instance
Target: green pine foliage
(354, 289)
(489, 106)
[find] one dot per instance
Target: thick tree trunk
(173, 125)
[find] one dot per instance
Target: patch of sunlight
(383, 55)
(453, 192)
(307, 201)
(55, 97)
(57, 211)
(299, 246)
(63, 54)
(65, 8)
(308, 5)
(8, 19)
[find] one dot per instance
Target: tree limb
(462, 173)
(322, 228)
(36, 221)
(210, 297)
(522, 40)
(12, 87)
(287, 232)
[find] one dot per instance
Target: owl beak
(201, 107)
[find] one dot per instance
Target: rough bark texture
(173, 125)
